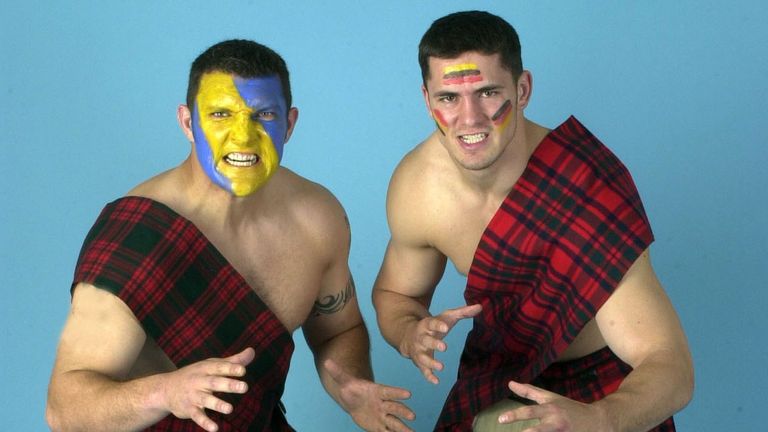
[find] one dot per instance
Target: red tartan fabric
(551, 256)
(192, 302)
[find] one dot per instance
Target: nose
(244, 129)
(472, 113)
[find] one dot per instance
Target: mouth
(241, 160)
(473, 138)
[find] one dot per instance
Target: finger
(243, 358)
(213, 403)
(432, 343)
(393, 393)
(198, 416)
(531, 392)
(436, 324)
(429, 375)
(395, 424)
(529, 412)
(428, 361)
(224, 368)
(464, 312)
(399, 410)
(221, 384)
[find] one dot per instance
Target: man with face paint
(572, 330)
(188, 289)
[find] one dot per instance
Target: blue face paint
(239, 126)
(265, 95)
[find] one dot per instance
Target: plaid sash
(192, 302)
(551, 256)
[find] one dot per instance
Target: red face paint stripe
(461, 80)
(439, 117)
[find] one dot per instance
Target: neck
(203, 197)
(498, 179)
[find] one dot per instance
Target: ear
(293, 116)
(524, 89)
(184, 117)
(425, 93)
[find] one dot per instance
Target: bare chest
(281, 269)
(457, 232)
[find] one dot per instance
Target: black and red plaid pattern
(192, 302)
(550, 257)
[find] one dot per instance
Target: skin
(440, 199)
(108, 375)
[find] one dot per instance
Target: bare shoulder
(417, 190)
(312, 206)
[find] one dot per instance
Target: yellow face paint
(461, 73)
(233, 147)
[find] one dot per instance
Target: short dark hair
(244, 58)
(452, 35)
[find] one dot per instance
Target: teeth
(473, 138)
(241, 159)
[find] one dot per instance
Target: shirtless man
(445, 203)
(270, 252)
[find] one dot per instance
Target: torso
(277, 253)
(457, 218)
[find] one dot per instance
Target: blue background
(676, 89)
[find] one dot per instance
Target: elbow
(687, 386)
(52, 417)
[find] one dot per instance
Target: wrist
(405, 346)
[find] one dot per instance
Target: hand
(555, 412)
(422, 339)
(372, 406)
(189, 390)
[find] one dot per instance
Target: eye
(447, 98)
(220, 114)
(488, 93)
(266, 115)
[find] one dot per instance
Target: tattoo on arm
(334, 303)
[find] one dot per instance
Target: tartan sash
(192, 302)
(552, 254)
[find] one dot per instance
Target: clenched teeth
(241, 159)
(473, 138)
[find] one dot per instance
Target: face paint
(461, 73)
(439, 121)
(239, 126)
(501, 117)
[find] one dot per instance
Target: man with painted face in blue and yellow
(188, 289)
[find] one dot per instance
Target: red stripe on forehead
(462, 79)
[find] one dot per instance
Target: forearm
(396, 313)
(351, 351)
(658, 387)
(89, 401)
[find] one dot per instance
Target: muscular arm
(640, 325)
(337, 335)
(91, 388)
(100, 343)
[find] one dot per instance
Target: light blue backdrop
(677, 89)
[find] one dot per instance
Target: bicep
(639, 318)
(101, 335)
(334, 312)
(410, 270)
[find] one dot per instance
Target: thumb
(244, 357)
